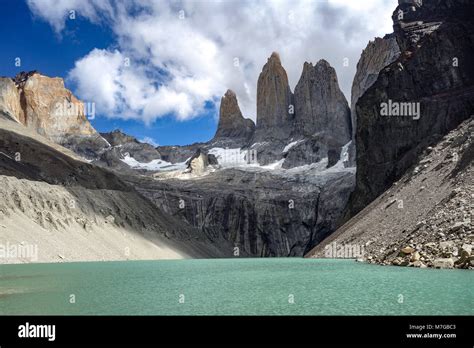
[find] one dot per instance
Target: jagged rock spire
(320, 106)
(231, 122)
(273, 99)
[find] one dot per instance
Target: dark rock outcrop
(199, 162)
(435, 73)
(10, 107)
(376, 56)
(117, 137)
(274, 98)
(322, 117)
(261, 213)
(179, 154)
(142, 152)
(320, 106)
(233, 127)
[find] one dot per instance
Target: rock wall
(10, 100)
(52, 109)
(142, 152)
(316, 115)
(320, 106)
(377, 55)
(260, 213)
(232, 125)
(273, 100)
(433, 73)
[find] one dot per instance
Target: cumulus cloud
(174, 56)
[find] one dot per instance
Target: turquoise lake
(283, 286)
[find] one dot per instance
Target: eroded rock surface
(376, 56)
(433, 73)
(233, 129)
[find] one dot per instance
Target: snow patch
(290, 145)
(339, 166)
(229, 157)
(274, 165)
(259, 144)
(156, 164)
(106, 142)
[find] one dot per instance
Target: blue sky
(183, 54)
(40, 48)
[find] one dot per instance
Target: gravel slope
(424, 219)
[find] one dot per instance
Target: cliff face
(45, 106)
(232, 125)
(320, 106)
(377, 55)
(261, 213)
(315, 120)
(126, 144)
(431, 84)
(322, 117)
(273, 100)
(10, 100)
(52, 109)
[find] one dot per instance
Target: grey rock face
(142, 152)
(308, 150)
(273, 100)
(321, 113)
(261, 213)
(320, 119)
(232, 125)
(199, 162)
(434, 71)
(320, 106)
(377, 55)
(10, 100)
(117, 137)
(179, 154)
(90, 147)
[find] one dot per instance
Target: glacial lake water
(283, 286)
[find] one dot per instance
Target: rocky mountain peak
(21, 78)
(52, 109)
(307, 66)
(232, 126)
(274, 58)
(320, 105)
(324, 64)
(45, 105)
(273, 100)
(229, 105)
(117, 137)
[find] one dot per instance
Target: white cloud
(56, 12)
(176, 65)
